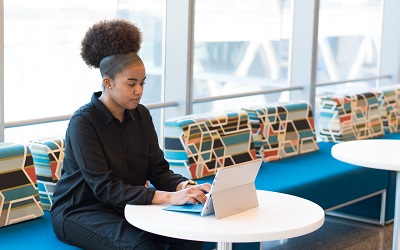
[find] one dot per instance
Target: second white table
(374, 153)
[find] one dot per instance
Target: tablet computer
(232, 191)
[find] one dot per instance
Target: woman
(111, 151)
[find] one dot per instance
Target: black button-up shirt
(107, 163)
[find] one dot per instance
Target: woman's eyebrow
(134, 79)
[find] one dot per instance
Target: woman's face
(127, 86)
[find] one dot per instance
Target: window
(348, 44)
(44, 73)
(240, 46)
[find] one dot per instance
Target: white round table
(279, 216)
(374, 153)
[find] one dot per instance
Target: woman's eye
(131, 85)
(143, 83)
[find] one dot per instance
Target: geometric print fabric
(389, 101)
(48, 155)
(19, 197)
(197, 145)
(351, 117)
(283, 130)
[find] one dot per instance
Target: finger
(198, 190)
(193, 200)
(205, 187)
(203, 191)
(201, 198)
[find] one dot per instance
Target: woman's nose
(138, 90)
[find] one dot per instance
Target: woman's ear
(107, 82)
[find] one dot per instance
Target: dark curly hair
(109, 37)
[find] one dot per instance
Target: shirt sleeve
(89, 156)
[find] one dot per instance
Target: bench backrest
(19, 197)
(282, 130)
(389, 101)
(197, 145)
(48, 156)
(350, 117)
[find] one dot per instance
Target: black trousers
(106, 230)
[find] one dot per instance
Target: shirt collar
(106, 115)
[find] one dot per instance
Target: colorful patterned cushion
(19, 197)
(282, 130)
(389, 101)
(48, 155)
(197, 145)
(352, 117)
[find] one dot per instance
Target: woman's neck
(113, 107)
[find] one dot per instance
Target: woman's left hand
(194, 194)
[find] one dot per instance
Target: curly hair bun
(109, 37)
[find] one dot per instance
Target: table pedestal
(396, 214)
(224, 246)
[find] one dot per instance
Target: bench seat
(33, 234)
(321, 176)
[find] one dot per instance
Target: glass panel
(349, 40)
(349, 37)
(149, 17)
(240, 46)
(43, 67)
(24, 134)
